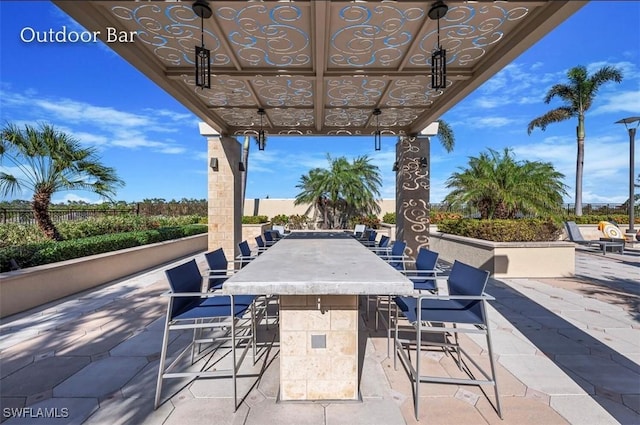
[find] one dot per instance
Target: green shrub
(435, 217)
(254, 219)
(19, 234)
(298, 221)
(371, 221)
(35, 254)
(522, 230)
(389, 218)
(14, 234)
(596, 218)
(280, 220)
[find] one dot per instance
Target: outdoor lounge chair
(262, 245)
(358, 230)
(464, 305)
(219, 322)
(423, 275)
(395, 257)
(425, 272)
(573, 231)
(269, 238)
(383, 245)
(245, 254)
(218, 271)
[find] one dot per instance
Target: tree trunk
(40, 205)
(579, 164)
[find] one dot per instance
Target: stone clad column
(224, 192)
(412, 192)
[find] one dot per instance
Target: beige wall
(508, 259)
(272, 207)
(23, 289)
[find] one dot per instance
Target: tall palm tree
(578, 97)
(45, 161)
(500, 187)
(343, 190)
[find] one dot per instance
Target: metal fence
(25, 215)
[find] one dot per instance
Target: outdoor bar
(318, 277)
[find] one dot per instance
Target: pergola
(319, 66)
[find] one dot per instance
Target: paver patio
(568, 352)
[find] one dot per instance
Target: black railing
(25, 216)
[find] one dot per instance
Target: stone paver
(568, 352)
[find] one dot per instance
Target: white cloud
(70, 197)
(491, 122)
(622, 102)
(98, 125)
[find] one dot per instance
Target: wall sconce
(213, 163)
(439, 56)
(203, 56)
(262, 138)
(377, 136)
(423, 162)
(395, 167)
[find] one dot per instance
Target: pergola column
(224, 191)
(412, 192)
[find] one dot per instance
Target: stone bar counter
(318, 276)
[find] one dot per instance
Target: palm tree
(47, 161)
(500, 187)
(578, 97)
(445, 135)
(344, 190)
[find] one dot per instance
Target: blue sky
(153, 142)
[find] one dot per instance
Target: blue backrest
(184, 278)
(268, 236)
(244, 249)
(260, 241)
(467, 280)
(426, 259)
(397, 249)
(372, 235)
(216, 260)
(384, 241)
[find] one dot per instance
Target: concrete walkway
(568, 352)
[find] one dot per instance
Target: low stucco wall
(24, 289)
(508, 259)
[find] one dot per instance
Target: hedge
(35, 254)
(521, 230)
(20, 234)
(254, 219)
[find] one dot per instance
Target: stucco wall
(508, 259)
(272, 207)
(24, 289)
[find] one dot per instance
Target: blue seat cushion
(449, 311)
(423, 284)
(215, 307)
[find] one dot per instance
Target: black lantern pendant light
(203, 56)
(377, 136)
(439, 56)
(262, 138)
